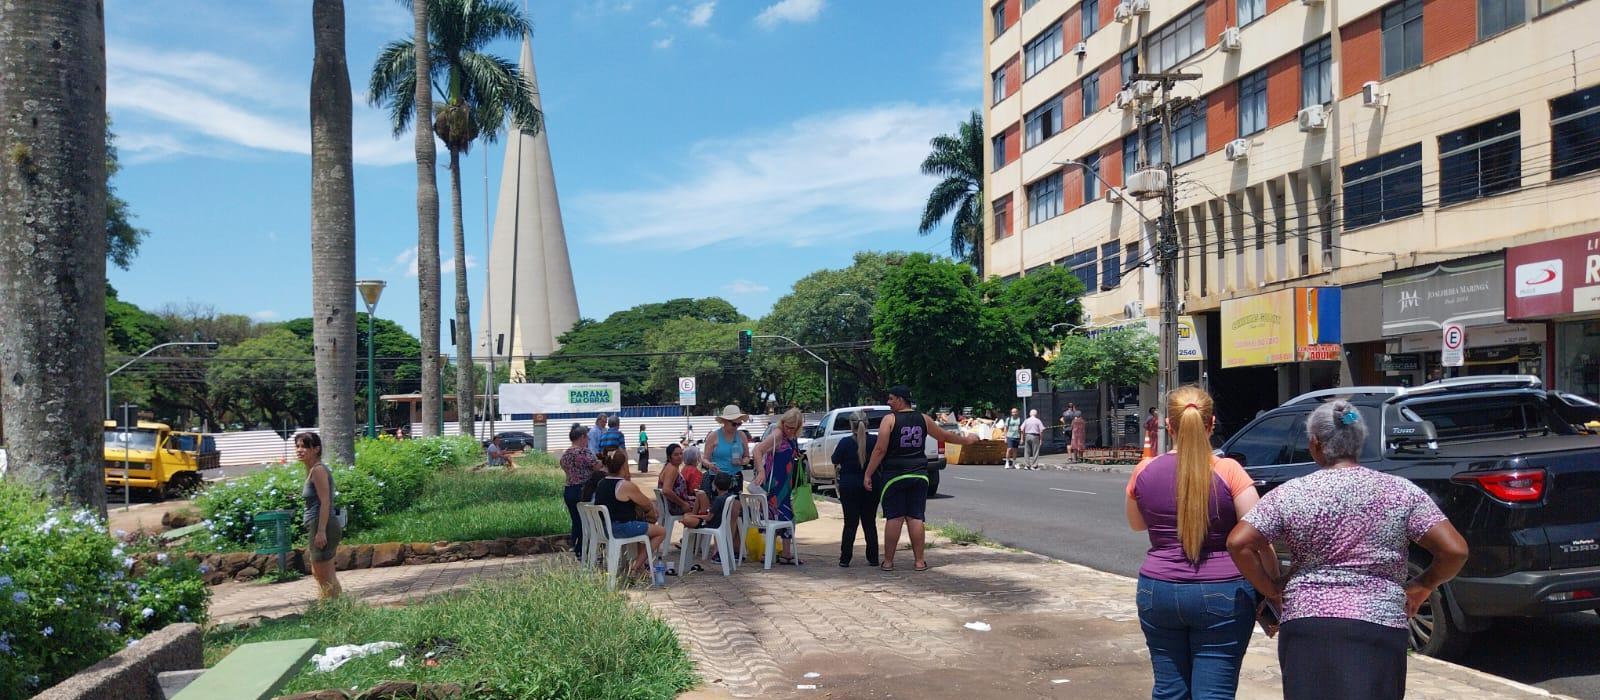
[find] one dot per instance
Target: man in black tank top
(902, 438)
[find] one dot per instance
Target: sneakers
(1008, 465)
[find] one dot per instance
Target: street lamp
(370, 291)
(827, 377)
(210, 344)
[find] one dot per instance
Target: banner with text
(560, 398)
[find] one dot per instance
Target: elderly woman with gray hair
(1345, 601)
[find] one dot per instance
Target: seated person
(632, 513)
(708, 512)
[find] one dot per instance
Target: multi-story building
(1384, 155)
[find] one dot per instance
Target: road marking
(966, 479)
(1091, 493)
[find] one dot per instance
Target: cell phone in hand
(1270, 616)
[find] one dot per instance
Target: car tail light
(1518, 486)
(1569, 596)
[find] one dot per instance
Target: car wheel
(1434, 632)
(933, 483)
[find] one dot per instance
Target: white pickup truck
(836, 424)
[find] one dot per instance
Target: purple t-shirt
(1347, 531)
(1154, 488)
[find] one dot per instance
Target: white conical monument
(532, 298)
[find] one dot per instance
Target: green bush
(68, 594)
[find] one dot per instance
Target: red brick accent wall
(1110, 82)
(1219, 14)
(1275, 5)
(1013, 75)
(1071, 189)
(1072, 106)
(1283, 89)
(1448, 27)
(1111, 163)
(1003, 221)
(1071, 29)
(1222, 116)
(1362, 52)
(1013, 10)
(1014, 141)
(1108, 13)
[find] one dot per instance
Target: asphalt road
(1078, 517)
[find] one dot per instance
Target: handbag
(805, 507)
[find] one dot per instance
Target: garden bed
(557, 634)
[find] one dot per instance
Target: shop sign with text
(1188, 341)
(1258, 330)
(1470, 292)
(1553, 278)
(1317, 324)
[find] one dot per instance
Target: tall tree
(833, 306)
(333, 235)
(480, 92)
(957, 160)
(122, 237)
(428, 272)
(53, 245)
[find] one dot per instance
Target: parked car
(515, 440)
(836, 425)
(1510, 463)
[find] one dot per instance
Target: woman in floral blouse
(1346, 602)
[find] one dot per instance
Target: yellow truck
(157, 458)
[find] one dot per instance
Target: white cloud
(266, 315)
(824, 177)
(407, 260)
(744, 287)
(658, 23)
(798, 11)
(663, 43)
(700, 15)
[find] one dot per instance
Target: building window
(1028, 4)
(1110, 265)
(998, 145)
(1402, 36)
(1081, 265)
(1091, 93)
(1044, 199)
(1575, 132)
(998, 12)
(1188, 135)
(998, 86)
(1130, 155)
(1495, 16)
(1180, 39)
(1553, 5)
(1253, 103)
(1089, 17)
(1481, 160)
(1043, 122)
(1316, 76)
(1251, 10)
(1384, 187)
(1042, 51)
(1091, 177)
(1002, 217)
(1130, 64)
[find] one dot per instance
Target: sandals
(920, 567)
(886, 566)
(790, 561)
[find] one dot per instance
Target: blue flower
(19, 597)
(5, 643)
(5, 581)
(47, 631)
(33, 681)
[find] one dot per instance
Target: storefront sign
(1400, 362)
(1188, 341)
(1317, 323)
(1480, 337)
(560, 398)
(1470, 292)
(1553, 278)
(1259, 330)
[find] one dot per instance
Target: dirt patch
(145, 518)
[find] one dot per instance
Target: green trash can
(274, 534)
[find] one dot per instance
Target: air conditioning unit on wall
(1124, 11)
(1236, 149)
(1313, 118)
(1144, 89)
(1081, 49)
(1112, 195)
(1140, 7)
(1133, 309)
(1125, 99)
(1372, 94)
(1230, 40)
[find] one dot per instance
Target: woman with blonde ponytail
(860, 506)
(1196, 610)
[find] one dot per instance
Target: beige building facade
(1392, 150)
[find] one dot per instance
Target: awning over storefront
(1553, 278)
(1469, 291)
(1288, 325)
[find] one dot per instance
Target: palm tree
(958, 160)
(427, 227)
(333, 235)
(479, 91)
(53, 246)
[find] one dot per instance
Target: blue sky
(724, 147)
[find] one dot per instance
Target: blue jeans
(1197, 634)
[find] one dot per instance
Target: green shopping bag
(805, 508)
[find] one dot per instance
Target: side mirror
(1420, 434)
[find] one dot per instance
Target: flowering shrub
(68, 597)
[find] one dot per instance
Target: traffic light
(744, 341)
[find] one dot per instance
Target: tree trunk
(333, 235)
(427, 227)
(464, 384)
(53, 245)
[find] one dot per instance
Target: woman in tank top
(632, 513)
(727, 447)
(323, 531)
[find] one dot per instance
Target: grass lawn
(558, 634)
(484, 505)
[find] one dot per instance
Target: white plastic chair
(728, 545)
(593, 536)
(755, 515)
(601, 519)
(666, 520)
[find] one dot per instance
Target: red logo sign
(1553, 278)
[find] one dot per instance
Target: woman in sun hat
(728, 447)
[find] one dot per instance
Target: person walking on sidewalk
(1032, 438)
(1196, 610)
(860, 510)
(579, 464)
(595, 433)
(902, 439)
(1349, 529)
(1152, 429)
(644, 450)
(1013, 426)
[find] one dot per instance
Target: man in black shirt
(900, 453)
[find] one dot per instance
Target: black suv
(1508, 462)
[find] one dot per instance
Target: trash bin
(274, 534)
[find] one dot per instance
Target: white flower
(162, 558)
(147, 613)
(60, 602)
(127, 562)
(47, 631)
(132, 642)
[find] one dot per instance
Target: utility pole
(1166, 244)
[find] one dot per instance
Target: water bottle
(659, 575)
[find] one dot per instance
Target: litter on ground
(978, 626)
(334, 657)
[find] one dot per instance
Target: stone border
(130, 674)
(220, 568)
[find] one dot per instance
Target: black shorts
(1011, 442)
(905, 496)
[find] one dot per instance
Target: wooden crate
(980, 452)
(1113, 455)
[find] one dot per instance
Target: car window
(1481, 417)
(842, 423)
(1299, 442)
(1264, 443)
(185, 443)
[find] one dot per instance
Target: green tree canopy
(835, 306)
(625, 332)
(131, 330)
(1123, 357)
(122, 237)
(272, 377)
(1042, 299)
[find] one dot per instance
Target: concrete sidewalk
(1057, 630)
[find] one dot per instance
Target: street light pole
(208, 344)
(827, 377)
(370, 291)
